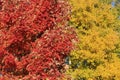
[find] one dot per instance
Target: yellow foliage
(95, 57)
(92, 12)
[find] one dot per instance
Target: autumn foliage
(96, 56)
(34, 39)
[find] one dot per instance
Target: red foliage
(32, 45)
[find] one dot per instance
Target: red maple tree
(34, 39)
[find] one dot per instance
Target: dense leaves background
(96, 54)
(59, 40)
(34, 39)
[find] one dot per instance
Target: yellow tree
(95, 56)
